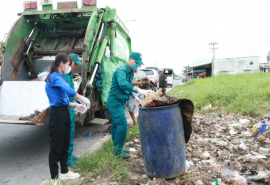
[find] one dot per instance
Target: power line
(260, 45)
(234, 19)
(255, 22)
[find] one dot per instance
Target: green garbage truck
(97, 35)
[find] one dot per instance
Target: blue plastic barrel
(162, 141)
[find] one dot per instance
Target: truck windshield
(148, 72)
(168, 73)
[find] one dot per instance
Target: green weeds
(104, 161)
(133, 132)
(247, 94)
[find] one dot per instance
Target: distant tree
(186, 69)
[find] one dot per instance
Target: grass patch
(104, 161)
(133, 132)
(246, 94)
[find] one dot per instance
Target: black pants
(59, 124)
(163, 90)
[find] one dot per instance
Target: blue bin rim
(161, 107)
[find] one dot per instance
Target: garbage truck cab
(38, 36)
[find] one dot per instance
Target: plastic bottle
(264, 151)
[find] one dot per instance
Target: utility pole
(212, 47)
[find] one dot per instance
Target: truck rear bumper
(23, 102)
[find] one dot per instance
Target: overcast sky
(174, 33)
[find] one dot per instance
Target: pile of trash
(230, 147)
(222, 150)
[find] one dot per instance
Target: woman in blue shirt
(58, 92)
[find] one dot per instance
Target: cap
(75, 58)
(136, 56)
(159, 70)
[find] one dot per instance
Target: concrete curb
(99, 144)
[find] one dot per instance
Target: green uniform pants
(71, 158)
(119, 126)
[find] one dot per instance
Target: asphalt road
(24, 151)
(175, 82)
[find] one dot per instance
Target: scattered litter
(261, 175)
(242, 146)
(132, 150)
(263, 151)
(224, 128)
(199, 182)
(262, 128)
(244, 121)
(207, 107)
(239, 180)
(144, 176)
(189, 164)
(217, 182)
(235, 125)
(205, 155)
(246, 134)
(218, 166)
(220, 146)
(261, 138)
(255, 129)
(258, 155)
(88, 134)
(232, 132)
(267, 141)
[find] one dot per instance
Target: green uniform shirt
(69, 79)
(162, 81)
(121, 85)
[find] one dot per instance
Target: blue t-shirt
(58, 90)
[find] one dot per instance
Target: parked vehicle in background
(154, 86)
(155, 68)
(152, 74)
(177, 77)
(170, 77)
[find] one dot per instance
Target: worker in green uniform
(119, 93)
(69, 78)
(162, 81)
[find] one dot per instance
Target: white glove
(84, 101)
(145, 92)
(80, 108)
(137, 101)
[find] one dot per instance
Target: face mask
(134, 66)
(67, 69)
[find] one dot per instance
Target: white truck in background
(170, 76)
